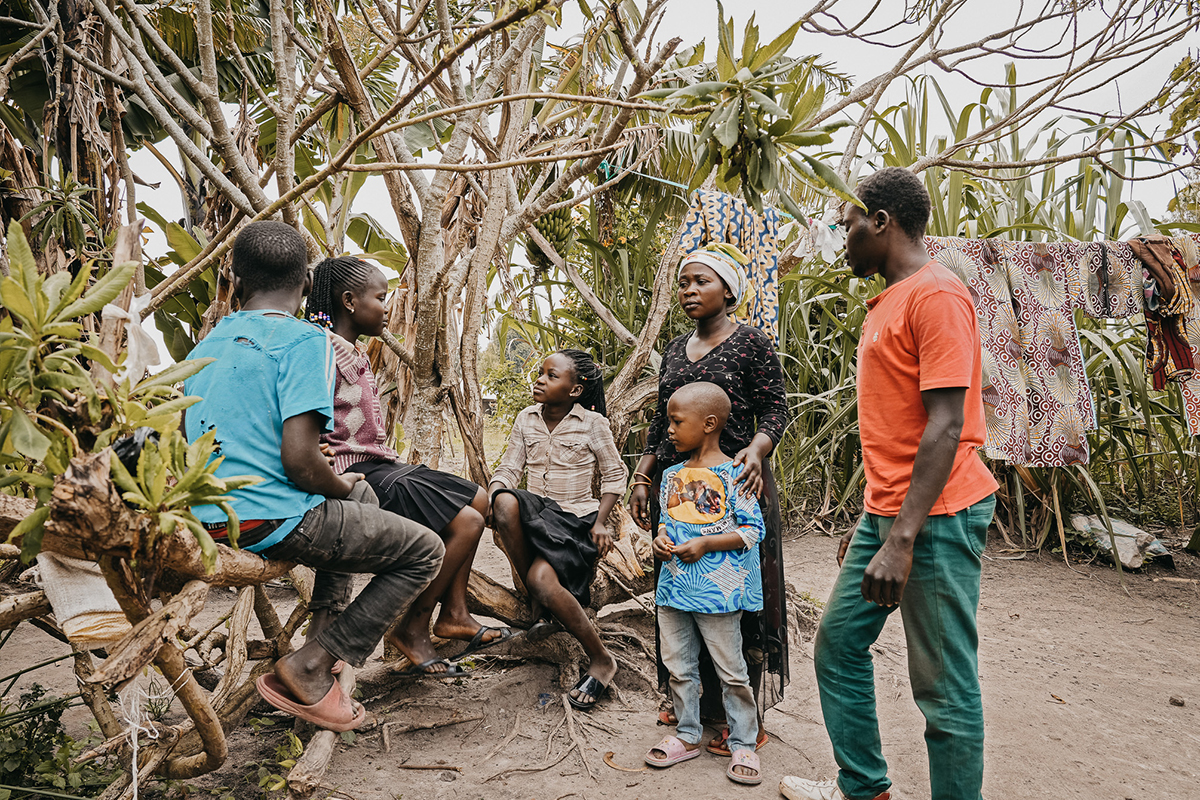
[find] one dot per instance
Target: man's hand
(663, 547)
(602, 539)
(352, 478)
(844, 545)
(692, 550)
(886, 576)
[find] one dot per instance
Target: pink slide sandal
(335, 711)
(749, 760)
(674, 749)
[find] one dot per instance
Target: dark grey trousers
(340, 538)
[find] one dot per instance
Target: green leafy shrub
(36, 752)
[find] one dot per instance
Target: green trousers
(938, 609)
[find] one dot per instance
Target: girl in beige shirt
(555, 531)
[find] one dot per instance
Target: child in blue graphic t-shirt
(708, 542)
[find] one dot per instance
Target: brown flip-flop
(719, 746)
(335, 711)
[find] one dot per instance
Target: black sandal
(541, 630)
(422, 670)
(477, 643)
(589, 685)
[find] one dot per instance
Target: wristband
(644, 475)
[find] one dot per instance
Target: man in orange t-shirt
(929, 501)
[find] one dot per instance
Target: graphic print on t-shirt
(696, 495)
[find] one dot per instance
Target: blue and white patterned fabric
(719, 217)
(703, 501)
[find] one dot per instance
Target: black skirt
(417, 492)
(563, 539)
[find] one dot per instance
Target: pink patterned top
(358, 433)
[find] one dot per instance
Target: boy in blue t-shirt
(708, 542)
(269, 397)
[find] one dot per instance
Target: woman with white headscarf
(742, 361)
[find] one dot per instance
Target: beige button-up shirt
(560, 464)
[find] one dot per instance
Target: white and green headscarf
(728, 262)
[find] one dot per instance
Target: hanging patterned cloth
(1037, 403)
(719, 217)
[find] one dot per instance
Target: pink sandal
(335, 711)
(748, 759)
(674, 749)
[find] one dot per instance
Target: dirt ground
(1077, 680)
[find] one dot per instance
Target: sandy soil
(1077, 677)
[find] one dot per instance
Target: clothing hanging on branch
(719, 217)
(1172, 271)
(1169, 309)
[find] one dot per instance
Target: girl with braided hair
(555, 532)
(348, 297)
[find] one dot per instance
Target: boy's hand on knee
(351, 478)
(327, 451)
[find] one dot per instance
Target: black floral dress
(746, 366)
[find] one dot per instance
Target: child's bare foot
(463, 628)
(417, 648)
(603, 670)
(305, 673)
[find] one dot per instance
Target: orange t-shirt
(919, 334)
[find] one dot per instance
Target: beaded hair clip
(320, 318)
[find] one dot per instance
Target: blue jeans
(680, 634)
(938, 608)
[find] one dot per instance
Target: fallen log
(88, 519)
(625, 573)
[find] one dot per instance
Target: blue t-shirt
(270, 367)
(704, 501)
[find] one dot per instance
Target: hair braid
(331, 278)
(591, 378)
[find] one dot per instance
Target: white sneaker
(794, 788)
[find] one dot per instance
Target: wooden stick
(235, 645)
(429, 766)
(305, 776)
(141, 645)
(507, 740)
(541, 768)
(420, 726)
(93, 695)
(23, 606)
